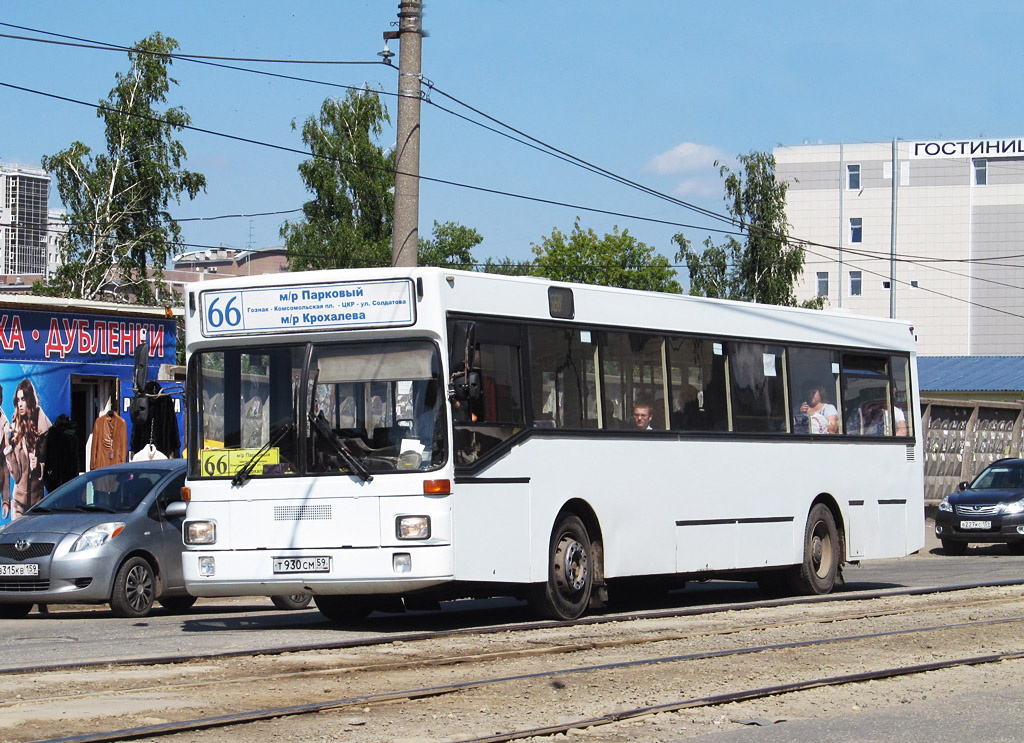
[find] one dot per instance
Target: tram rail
(376, 697)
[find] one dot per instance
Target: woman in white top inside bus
(822, 415)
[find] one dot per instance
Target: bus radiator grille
(302, 513)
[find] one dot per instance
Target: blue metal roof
(970, 373)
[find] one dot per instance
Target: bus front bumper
(380, 570)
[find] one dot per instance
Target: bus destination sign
(311, 307)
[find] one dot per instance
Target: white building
(958, 256)
(24, 200)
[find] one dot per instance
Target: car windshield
(1007, 476)
(103, 490)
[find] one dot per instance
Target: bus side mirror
(465, 386)
(465, 381)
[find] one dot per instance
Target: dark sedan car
(103, 537)
(990, 509)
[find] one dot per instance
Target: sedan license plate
(28, 568)
(302, 564)
(975, 524)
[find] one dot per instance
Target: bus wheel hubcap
(571, 568)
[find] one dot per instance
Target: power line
(524, 139)
(306, 153)
(77, 41)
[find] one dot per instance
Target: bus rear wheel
(817, 573)
(566, 594)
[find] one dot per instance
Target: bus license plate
(975, 524)
(28, 568)
(302, 564)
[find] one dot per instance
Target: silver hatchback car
(101, 537)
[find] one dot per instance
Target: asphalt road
(75, 633)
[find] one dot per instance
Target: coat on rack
(58, 450)
(154, 422)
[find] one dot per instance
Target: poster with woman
(20, 437)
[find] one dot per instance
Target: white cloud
(687, 157)
(690, 188)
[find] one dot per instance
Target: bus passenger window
(563, 368)
(814, 390)
(866, 399)
(699, 391)
(901, 396)
(633, 375)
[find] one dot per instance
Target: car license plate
(302, 564)
(27, 568)
(975, 524)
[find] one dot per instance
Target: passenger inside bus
(822, 416)
(642, 412)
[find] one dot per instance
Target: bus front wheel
(566, 593)
(817, 573)
(344, 609)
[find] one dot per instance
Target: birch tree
(765, 265)
(120, 233)
(349, 221)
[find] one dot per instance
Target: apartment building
(941, 245)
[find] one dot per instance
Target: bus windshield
(367, 408)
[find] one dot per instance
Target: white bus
(389, 437)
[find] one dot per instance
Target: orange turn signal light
(437, 487)
(186, 494)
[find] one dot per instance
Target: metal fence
(964, 437)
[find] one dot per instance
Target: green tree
(509, 267)
(765, 267)
(118, 226)
(451, 246)
(617, 259)
(349, 222)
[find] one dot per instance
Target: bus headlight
(412, 527)
(200, 532)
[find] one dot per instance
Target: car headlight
(97, 536)
(944, 505)
(1016, 507)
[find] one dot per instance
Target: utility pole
(405, 241)
(892, 239)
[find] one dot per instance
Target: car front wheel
(14, 611)
(953, 547)
(134, 589)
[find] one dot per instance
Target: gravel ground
(553, 688)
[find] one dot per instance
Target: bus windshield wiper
(243, 473)
(322, 428)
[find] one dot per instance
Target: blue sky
(652, 91)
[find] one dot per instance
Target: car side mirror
(176, 510)
(963, 486)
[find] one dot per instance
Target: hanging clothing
(109, 441)
(155, 422)
(58, 451)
